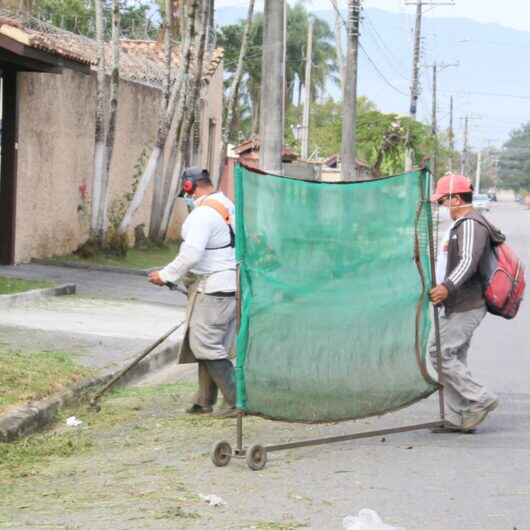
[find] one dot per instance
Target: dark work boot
(197, 409)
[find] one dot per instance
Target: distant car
(492, 196)
(481, 202)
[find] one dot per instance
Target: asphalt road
(112, 285)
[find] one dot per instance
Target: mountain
(491, 83)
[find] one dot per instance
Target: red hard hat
(451, 185)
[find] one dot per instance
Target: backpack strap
(222, 210)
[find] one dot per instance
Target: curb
(8, 301)
(95, 268)
(27, 419)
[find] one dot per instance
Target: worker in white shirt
(207, 254)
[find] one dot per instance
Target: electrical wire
(376, 68)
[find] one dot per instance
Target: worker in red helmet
(206, 262)
(460, 292)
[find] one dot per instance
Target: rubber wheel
(256, 457)
(221, 454)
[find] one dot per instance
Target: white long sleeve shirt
(204, 232)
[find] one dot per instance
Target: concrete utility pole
(349, 104)
(272, 87)
(415, 85)
(465, 150)
(466, 146)
(434, 125)
(284, 100)
(415, 88)
(477, 174)
(434, 122)
(451, 135)
(307, 91)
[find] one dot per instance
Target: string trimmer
(94, 401)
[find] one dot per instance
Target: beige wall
(55, 154)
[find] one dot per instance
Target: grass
(26, 457)
(18, 459)
(15, 285)
(26, 376)
(155, 256)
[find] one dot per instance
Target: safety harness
(221, 209)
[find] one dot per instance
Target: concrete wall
(55, 155)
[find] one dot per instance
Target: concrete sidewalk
(99, 333)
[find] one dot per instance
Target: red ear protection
(189, 186)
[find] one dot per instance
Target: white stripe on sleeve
(467, 253)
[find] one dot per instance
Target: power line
(492, 94)
(376, 68)
(381, 75)
(386, 52)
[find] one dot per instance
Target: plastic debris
(212, 500)
(72, 421)
(366, 520)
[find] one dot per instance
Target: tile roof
(141, 61)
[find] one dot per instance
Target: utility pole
(451, 135)
(272, 87)
(466, 146)
(414, 88)
(477, 175)
(349, 102)
(434, 122)
(307, 90)
(284, 100)
(415, 85)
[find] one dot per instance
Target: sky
(511, 13)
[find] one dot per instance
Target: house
(48, 87)
(247, 153)
(330, 171)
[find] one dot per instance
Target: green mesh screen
(334, 308)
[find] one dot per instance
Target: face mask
(190, 203)
(443, 214)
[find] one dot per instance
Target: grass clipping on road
(31, 456)
(29, 376)
(15, 285)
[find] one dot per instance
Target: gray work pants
(463, 394)
(211, 336)
(214, 376)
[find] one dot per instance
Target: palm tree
(324, 57)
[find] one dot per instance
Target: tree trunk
(153, 165)
(113, 112)
(233, 92)
(99, 147)
(184, 129)
(190, 12)
(255, 117)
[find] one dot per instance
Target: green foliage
(324, 62)
(514, 160)
(138, 19)
(382, 138)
